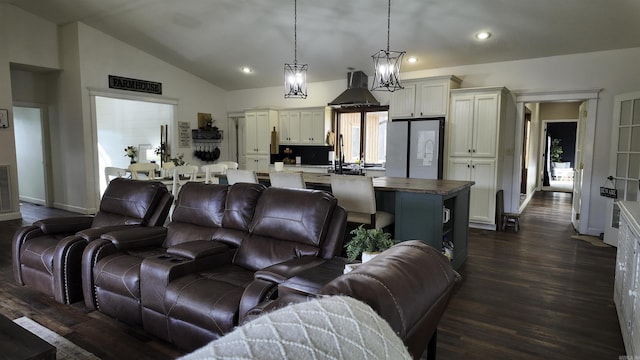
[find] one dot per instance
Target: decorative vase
(366, 256)
(133, 161)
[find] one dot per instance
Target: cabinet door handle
(469, 150)
(474, 150)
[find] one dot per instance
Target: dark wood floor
(535, 294)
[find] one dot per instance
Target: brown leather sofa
(224, 252)
(408, 285)
(47, 255)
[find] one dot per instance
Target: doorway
(31, 153)
(130, 121)
(559, 161)
(587, 101)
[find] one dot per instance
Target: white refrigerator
(415, 148)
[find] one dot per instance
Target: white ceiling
(215, 38)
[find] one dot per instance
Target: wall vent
(5, 189)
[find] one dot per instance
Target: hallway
(535, 294)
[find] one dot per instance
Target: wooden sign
(608, 192)
(123, 83)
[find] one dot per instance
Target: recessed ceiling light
(246, 70)
(412, 60)
(483, 35)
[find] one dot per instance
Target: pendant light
(387, 65)
(295, 75)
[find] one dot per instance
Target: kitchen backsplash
(310, 155)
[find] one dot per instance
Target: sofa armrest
(198, 249)
(136, 237)
(157, 272)
(94, 251)
(67, 224)
(91, 234)
(256, 293)
(280, 272)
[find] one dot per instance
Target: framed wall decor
(4, 118)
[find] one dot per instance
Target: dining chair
(211, 170)
(111, 172)
(143, 171)
(282, 179)
(230, 164)
(241, 176)
(167, 169)
(182, 174)
(357, 195)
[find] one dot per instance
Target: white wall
(613, 71)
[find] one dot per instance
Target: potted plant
(368, 242)
(556, 151)
(131, 152)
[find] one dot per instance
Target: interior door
(625, 159)
(578, 166)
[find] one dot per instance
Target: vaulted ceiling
(214, 39)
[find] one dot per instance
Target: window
(364, 134)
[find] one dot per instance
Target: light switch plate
(4, 118)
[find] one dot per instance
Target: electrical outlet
(4, 118)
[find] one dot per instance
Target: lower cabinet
(257, 163)
(625, 293)
(482, 207)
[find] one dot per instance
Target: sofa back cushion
(198, 213)
(287, 223)
(129, 202)
(240, 206)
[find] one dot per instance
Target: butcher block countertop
(422, 186)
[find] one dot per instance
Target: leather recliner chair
(196, 293)
(47, 255)
(408, 285)
(111, 264)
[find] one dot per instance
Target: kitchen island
(420, 207)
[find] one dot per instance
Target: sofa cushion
(127, 199)
(200, 204)
(330, 328)
(241, 203)
(293, 214)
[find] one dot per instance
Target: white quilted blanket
(336, 327)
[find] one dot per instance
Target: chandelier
(295, 75)
(387, 65)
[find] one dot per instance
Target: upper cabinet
(302, 127)
(257, 133)
(428, 97)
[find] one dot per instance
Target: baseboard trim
(10, 216)
(74, 209)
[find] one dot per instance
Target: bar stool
(244, 176)
(291, 180)
(356, 195)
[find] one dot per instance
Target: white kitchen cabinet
(473, 131)
(257, 163)
(289, 127)
(302, 127)
(312, 127)
(625, 294)
(257, 133)
(483, 192)
(255, 139)
(428, 97)
(474, 124)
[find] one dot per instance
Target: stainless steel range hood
(357, 93)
